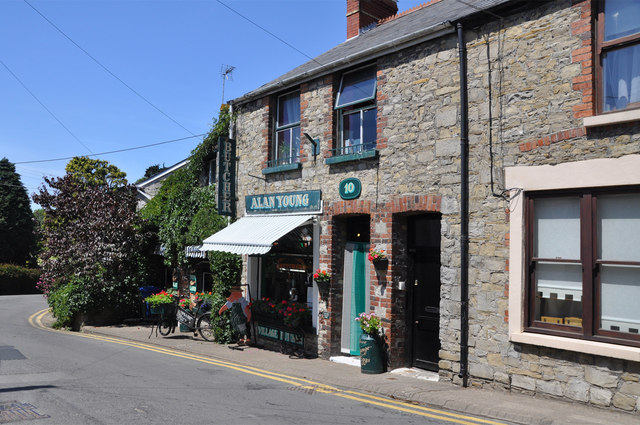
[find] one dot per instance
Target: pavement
(410, 385)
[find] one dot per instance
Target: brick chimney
(361, 13)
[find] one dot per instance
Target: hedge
(18, 280)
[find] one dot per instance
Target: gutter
(464, 209)
(402, 42)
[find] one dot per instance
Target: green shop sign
(280, 335)
(288, 202)
(226, 176)
(350, 188)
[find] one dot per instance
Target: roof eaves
(407, 40)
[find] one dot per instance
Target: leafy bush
(18, 280)
(67, 302)
(95, 299)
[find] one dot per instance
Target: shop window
(287, 271)
(286, 146)
(583, 264)
(356, 109)
(618, 49)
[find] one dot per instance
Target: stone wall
(526, 85)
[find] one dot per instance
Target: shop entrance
(424, 290)
(355, 289)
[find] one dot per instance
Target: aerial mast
(225, 72)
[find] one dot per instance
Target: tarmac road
(83, 378)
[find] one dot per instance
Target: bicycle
(199, 322)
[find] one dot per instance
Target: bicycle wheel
(205, 327)
(164, 327)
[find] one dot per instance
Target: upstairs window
(583, 264)
(356, 106)
(286, 149)
(618, 48)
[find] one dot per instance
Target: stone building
(492, 150)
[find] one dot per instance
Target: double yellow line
(303, 384)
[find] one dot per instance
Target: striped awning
(253, 235)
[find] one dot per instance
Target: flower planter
(370, 354)
(380, 263)
(162, 309)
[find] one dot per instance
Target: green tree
(184, 213)
(95, 172)
(17, 239)
(151, 171)
(92, 242)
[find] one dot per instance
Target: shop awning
(253, 234)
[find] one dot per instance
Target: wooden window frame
(275, 158)
(591, 270)
(603, 47)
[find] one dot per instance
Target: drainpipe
(464, 210)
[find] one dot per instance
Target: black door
(424, 290)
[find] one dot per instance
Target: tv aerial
(225, 73)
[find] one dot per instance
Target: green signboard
(277, 334)
(226, 176)
(288, 202)
(350, 188)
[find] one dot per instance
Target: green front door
(355, 294)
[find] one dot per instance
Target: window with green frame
(357, 111)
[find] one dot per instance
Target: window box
(351, 157)
(282, 168)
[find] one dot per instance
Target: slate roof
(431, 21)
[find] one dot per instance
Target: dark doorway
(424, 290)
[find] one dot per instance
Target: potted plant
(378, 258)
(185, 303)
(322, 277)
(288, 313)
(160, 302)
(370, 350)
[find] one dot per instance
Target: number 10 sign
(350, 188)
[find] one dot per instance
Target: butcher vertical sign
(226, 176)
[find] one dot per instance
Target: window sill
(351, 157)
(612, 118)
(282, 168)
(577, 345)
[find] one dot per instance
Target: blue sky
(171, 52)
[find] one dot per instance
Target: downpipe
(464, 210)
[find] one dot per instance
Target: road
(70, 378)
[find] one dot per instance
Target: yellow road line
(36, 321)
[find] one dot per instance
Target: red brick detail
(406, 12)
(361, 13)
(559, 136)
(266, 132)
(583, 28)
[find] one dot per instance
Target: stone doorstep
(424, 375)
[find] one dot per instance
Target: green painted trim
(351, 157)
(282, 168)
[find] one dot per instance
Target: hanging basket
(380, 263)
